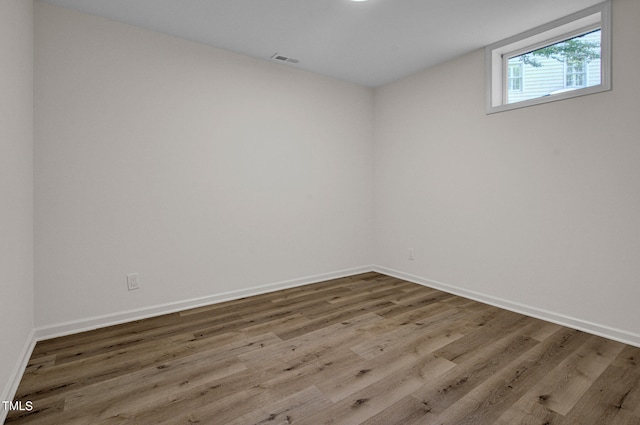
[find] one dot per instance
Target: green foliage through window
(575, 50)
(557, 68)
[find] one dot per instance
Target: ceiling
(369, 43)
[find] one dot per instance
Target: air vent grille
(282, 58)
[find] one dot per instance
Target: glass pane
(569, 64)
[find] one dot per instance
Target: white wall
(205, 171)
(16, 187)
(212, 173)
(537, 206)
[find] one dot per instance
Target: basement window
(566, 58)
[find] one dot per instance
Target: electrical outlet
(411, 257)
(133, 281)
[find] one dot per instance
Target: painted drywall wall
(538, 206)
(211, 173)
(16, 187)
(205, 171)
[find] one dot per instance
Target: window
(553, 69)
(566, 58)
(515, 75)
(575, 73)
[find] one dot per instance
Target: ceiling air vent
(281, 58)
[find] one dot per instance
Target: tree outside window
(566, 65)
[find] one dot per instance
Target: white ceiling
(369, 43)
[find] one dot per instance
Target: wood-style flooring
(366, 349)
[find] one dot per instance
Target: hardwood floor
(367, 349)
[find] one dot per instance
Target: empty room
(320, 212)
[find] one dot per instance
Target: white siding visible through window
(553, 74)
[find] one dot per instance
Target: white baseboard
(620, 335)
(66, 328)
(81, 325)
(10, 389)
(96, 322)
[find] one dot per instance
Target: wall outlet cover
(133, 281)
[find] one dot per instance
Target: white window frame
(598, 16)
(521, 77)
(585, 65)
